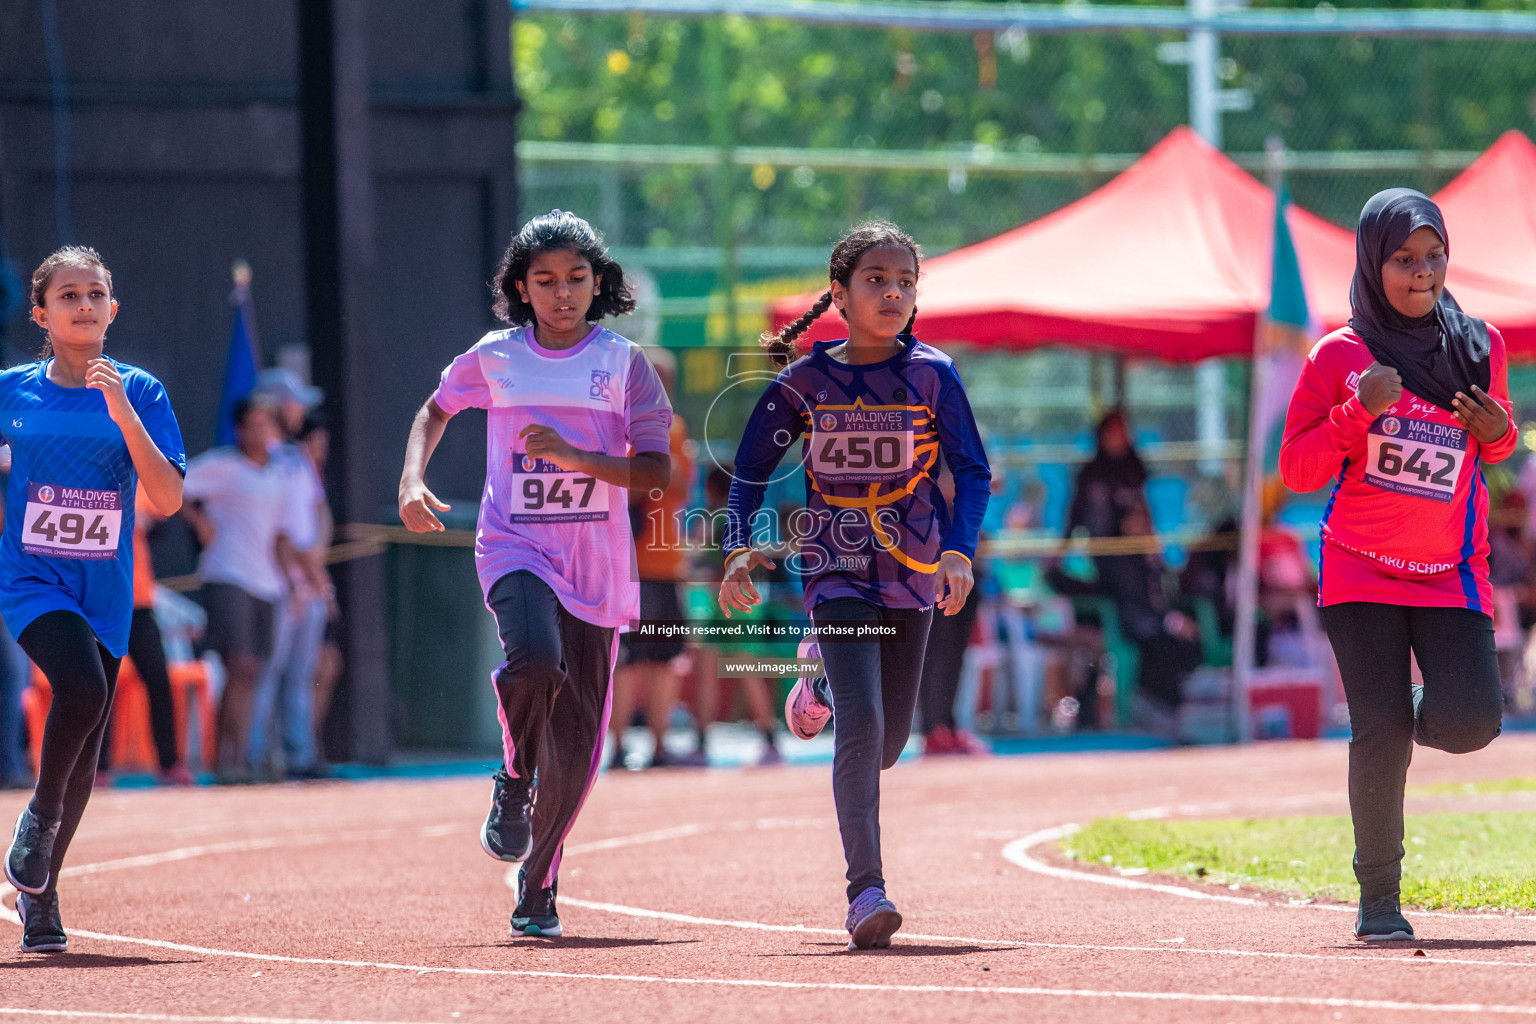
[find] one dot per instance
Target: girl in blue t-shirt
(84, 431)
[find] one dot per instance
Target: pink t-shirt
(570, 530)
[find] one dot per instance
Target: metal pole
(337, 189)
(717, 82)
(1245, 629)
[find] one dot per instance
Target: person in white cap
(285, 693)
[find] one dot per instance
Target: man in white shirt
(235, 500)
(286, 687)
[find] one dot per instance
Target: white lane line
(1018, 853)
(177, 1018)
(762, 983)
(815, 986)
(639, 839)
(150, 860)
(800, 929)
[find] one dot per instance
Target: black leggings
(947, 641)
(554, 692)
(147, 650)
(874, 693)
(1459, 710)
(83, 677)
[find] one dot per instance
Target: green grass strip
(1454, 861)
(1522, 784)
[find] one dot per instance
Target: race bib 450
(72, 522)
(1415, 457)
(861, 445)
(542, 492)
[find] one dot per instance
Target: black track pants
(147, 649)
(874, 686)
(947, 641)
(83, 677)
(554, 690)
(1459, 710)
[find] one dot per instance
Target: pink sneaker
(970, 744)
(808, 706)
(941, 740)
(175, 775)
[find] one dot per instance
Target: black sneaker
(41, 929)
(30, 859)
(1381, 919)
(535, 912)
(508, 831)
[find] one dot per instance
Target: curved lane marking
(1018, 852)
(762, 983)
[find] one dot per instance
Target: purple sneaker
(872, 920)
(809, 705)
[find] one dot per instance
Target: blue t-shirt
(875, 524)
(68, 540)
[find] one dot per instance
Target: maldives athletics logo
(45, 494)
(1391, 426)
(828, 421)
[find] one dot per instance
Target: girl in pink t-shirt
(575, 417)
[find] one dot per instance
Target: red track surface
(351, 878)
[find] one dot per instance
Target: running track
(717, 896)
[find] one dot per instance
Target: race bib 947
(542, 492)
(861, 445)
(1415, 457)
(72, 522)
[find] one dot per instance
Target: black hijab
(1438, 354)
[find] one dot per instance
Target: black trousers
(874, 694)
(947, 640)
(147, 649)
(1459, 710)
(554, 691)
(83, 677)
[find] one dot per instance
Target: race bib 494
(72, 522)
(1420, 458)
(542, 492)
(861, 445)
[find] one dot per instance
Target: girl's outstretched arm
(417, 502)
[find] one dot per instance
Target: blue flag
(240, 365)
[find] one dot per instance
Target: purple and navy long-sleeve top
(875, 523)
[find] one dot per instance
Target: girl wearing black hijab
(1403, 407)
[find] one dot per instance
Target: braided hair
(872, 234)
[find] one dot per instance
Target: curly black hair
(551, 232)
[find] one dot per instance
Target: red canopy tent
(1170, 259)
(1490, 214)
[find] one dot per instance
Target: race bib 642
(72, 522)
(1420, 458)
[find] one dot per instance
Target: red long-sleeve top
(1407, 522)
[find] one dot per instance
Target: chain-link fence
(723, 155)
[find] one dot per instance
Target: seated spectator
(1169, 641)
(1111, 485)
